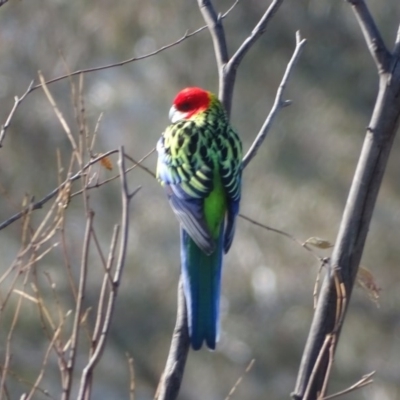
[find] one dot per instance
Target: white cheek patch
(175, 115)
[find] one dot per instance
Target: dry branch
(78, 175)
(101, 338)
(171, 379)
(279, 103)
(31, 88)
(67, 383)
(17, 102)
(229, 71)
(358, 211)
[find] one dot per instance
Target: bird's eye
(184, 106)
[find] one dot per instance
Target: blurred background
(297, 183)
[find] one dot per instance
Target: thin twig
(239, 381)
(126, 198)
(313, 374)
(26, 382)
(31, 88)
(131, 377)
(331, 351)
(138, 163)
(256, 33)
(373, 38)
(124, 62)
(107, 279)
(44, 363)
(96, 129)
(17, 102)
(283, 233)
(278, 103)
(364, 381)
(58, 113)
(316, 284)
(226, 91)
(107, 283)
(39, 204)
(66, 385)
(132, 59)
(8, 354)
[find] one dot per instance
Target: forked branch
(126, 197)
(373, 38)
(227, 67)
(279, 102)
(357, 215)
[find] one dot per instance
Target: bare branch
(373, 38)
(364, 381)
(135, 164)
(17, 102)
(66, 385)
(124, 62)
(126, 198)
(131, 377)
(35, 386)
(227, 67)
(316, 366)
(171, 379)
(239, 381)
(31, 88)
(357, 215)
(57, 112)
(214, 23)
(139, 163)
(278, 103)
(285, 234)
(255, 35)
(110, 262)
(8, 354)
(86, 379)
(233, 64)
(226, 91)
(187, 35)
(39, 204)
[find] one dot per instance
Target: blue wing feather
(188, 208)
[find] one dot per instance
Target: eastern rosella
(199, 166)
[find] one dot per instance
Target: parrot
(199, 166)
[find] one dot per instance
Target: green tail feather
(202, 286)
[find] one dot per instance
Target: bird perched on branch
(199, 166)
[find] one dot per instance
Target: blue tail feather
(202, 286)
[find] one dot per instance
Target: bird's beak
(175, 115)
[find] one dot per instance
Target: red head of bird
(188, 102)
